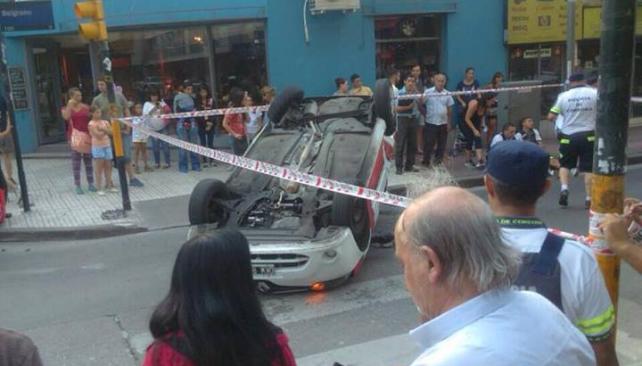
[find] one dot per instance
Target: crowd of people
(91, 141)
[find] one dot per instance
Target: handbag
(80, 141)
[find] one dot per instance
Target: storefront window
(239, 56)
(403, 41)
(159, 59)
(543, 62)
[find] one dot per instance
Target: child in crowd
(254, 119)
(528, 132)
(100, 130)
(139, 138)
(508, 133)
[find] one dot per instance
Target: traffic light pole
(4, 82)
(105, 62)
(616, 69)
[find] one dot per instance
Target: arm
(66, 112)
(605, 351)
(449, 117)
(555, 111)
(226, 126)
(617, 237)
(472, 108)
(8, 129)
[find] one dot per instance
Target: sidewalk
(56, 206)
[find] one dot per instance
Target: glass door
(46, 71)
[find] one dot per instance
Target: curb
(110, 230)
(68, 233)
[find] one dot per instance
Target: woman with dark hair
(234, 123)
(206, 125)
(472, 128)
(491, 120)
(212, 315)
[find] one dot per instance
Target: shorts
(6, 144)
(470, 140)
(103, 152)
(577, 147)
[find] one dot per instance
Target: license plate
(263, 269)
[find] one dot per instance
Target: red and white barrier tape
(480, 91)
(264, 108)
(282, 172)
(309, 179)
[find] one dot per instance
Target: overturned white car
(303, 237)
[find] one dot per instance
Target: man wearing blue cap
(563, 271)
(578, 107)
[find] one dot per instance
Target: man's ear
(433, 263)
(490, 187)
(547, 186)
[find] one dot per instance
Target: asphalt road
(88, 302)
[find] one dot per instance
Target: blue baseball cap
(518, 163)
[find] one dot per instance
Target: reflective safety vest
(540, 272)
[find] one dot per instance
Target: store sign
(592, 22)
(536, 21)
(26, 15)
(18, 85)
(538, 53)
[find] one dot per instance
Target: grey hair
(468, 242)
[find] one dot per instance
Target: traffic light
(94, 30)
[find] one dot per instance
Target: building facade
(248, 43)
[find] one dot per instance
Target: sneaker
(399, 171)
(469, 164)
(79, 190)
(135, 182)
(480, 165)
(92, 188)
(412, 169)
(564, 198)
(112, 190)
(157, 166)
(575, 172)
(166, 166)
(101, 193)
(587, 204)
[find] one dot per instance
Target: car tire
(383, 105)
(280, 105)
(203, 205)
(352, 212)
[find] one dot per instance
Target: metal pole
(570, 37)
(105, 62)
(4, 79)
(616, 70)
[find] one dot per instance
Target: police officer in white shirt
(459, 272)
(578, 107)
(563, 271)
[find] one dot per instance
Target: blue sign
(26, 15)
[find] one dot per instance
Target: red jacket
(166, 355)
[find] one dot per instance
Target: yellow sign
(592, 19)
(538, 21)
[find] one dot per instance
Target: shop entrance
(47, 91)
(404, 41)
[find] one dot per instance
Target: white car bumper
(282, 260)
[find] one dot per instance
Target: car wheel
(352, 212)
(204, 206)
(280, 105)
(383, 100)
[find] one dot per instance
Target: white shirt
(502, 328)
(578, 106)
(585, 299)
(500, 137)
(538, 136)
(155, 124)
(437, 106)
